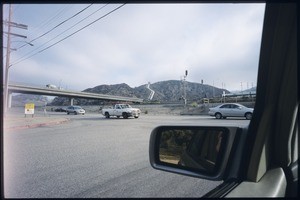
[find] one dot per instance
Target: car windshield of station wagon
(173, 62)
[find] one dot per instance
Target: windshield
(173, 62)
(125, 106)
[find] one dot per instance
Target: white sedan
(75, 109)
(231, 110)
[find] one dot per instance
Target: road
(95, 157)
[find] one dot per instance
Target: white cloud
(141, 43)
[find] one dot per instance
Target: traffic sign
(29, 109)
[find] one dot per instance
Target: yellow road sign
(29, 108)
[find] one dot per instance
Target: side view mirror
(201, 152)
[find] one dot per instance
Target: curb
(38, 125)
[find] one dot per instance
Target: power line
(71, 34)
(58, 25)
(21, 59)
(48, 21)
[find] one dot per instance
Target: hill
(165, 92)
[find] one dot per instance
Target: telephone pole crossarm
(14, 24)
(14, 34)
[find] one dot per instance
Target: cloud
(142, 43)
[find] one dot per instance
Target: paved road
(91, 156)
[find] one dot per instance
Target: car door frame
(271, 152)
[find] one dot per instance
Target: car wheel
(68, 113)
(75, 113)
(118, 117)
(107, 115)
(218, 115)
(248, 115)
(125, 116)
(136, 117)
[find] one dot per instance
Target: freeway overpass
(241, 94)
(16, 88)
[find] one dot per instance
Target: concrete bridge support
(9, 100)
(71, 101)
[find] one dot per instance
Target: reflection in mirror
(197, 149)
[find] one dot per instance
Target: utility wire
(71, 34)
(48, 21)
(17, 61)
(57, 25)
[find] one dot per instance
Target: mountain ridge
(170, 91)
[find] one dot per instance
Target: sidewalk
(19, 121)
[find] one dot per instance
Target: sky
(135, 44)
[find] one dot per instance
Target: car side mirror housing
(197, 151)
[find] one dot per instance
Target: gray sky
(137, 44)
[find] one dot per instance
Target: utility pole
(213, 89)
(184, 87)
(8, 50)
(7, 60)
(241, 87)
